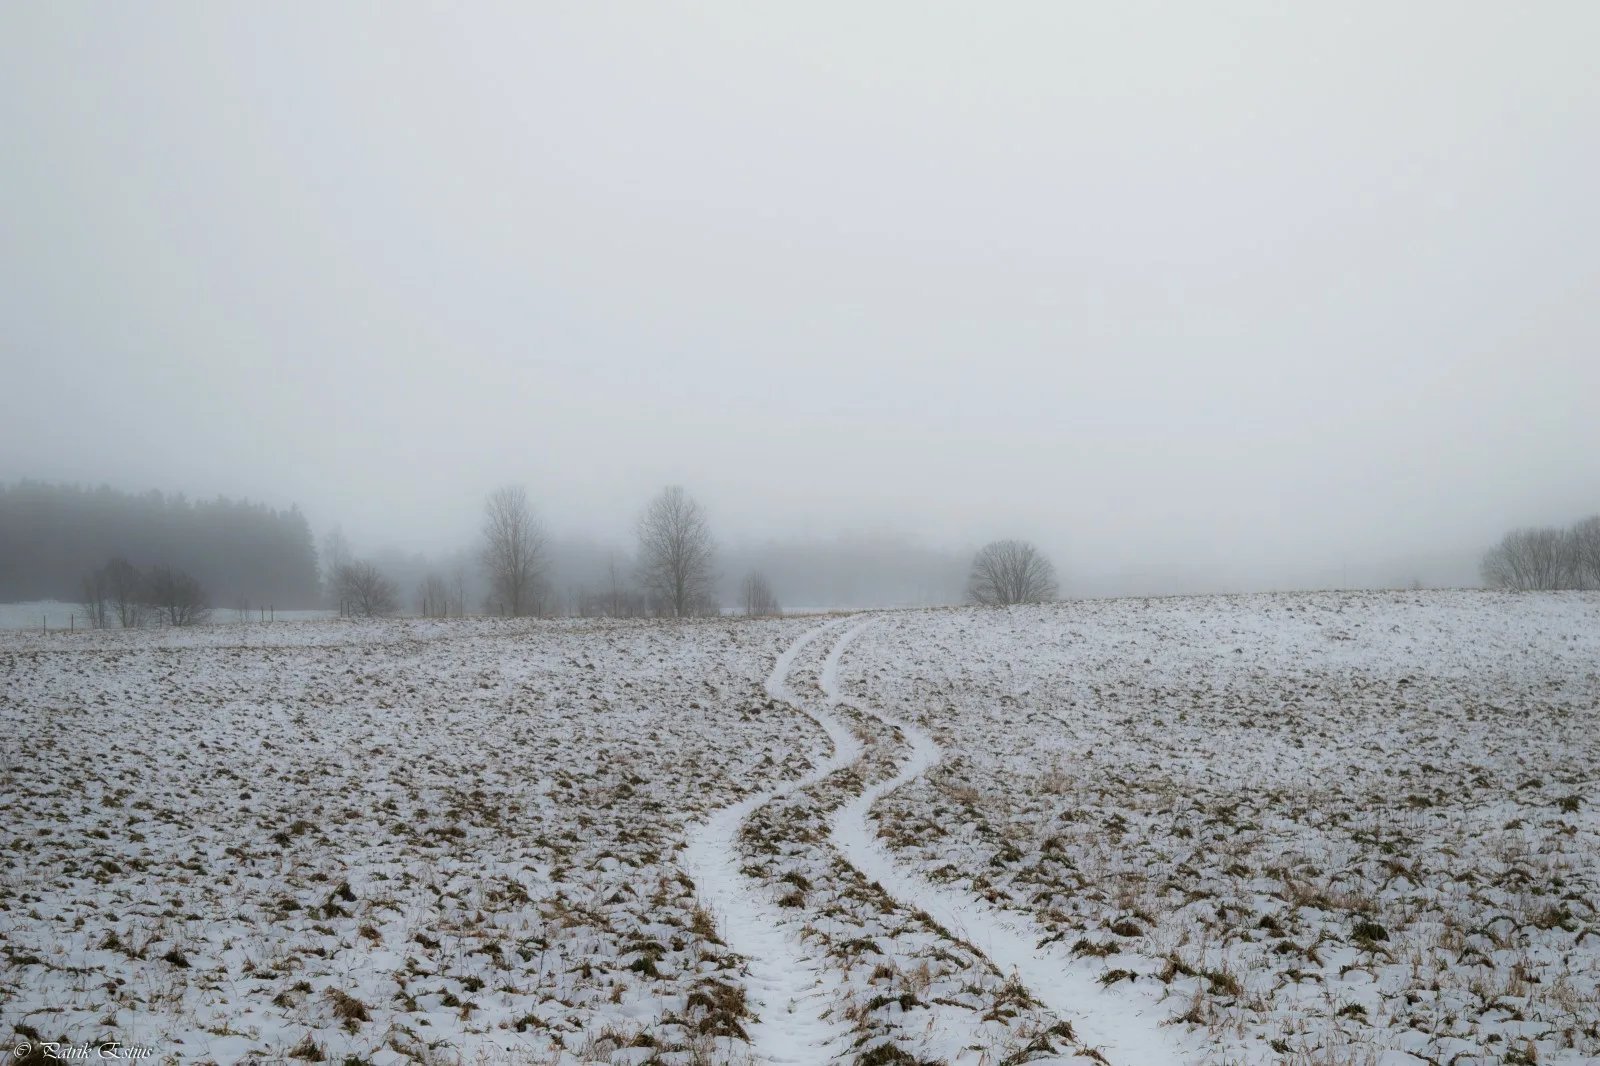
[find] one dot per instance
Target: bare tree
(675, 553)
(95, 611)
(335, 555)
(365, 592)
(433, 597)
(176, 597)
(1534, 558)
(513, 551)
(1586, 552)
(1011, 571)
(756, 593)
(1569, 564)
(619, 599)
(616, 590)
(125, 589)
(614, 598)
(458, 591)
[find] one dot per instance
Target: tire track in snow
(787, 994)
(1128, 1034)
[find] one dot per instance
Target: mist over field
(1195, 300)
(738, 534)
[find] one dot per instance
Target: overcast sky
(1211, 295)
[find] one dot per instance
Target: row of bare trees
(159, 595)
(433, 597)
(359, 587)
(1546, 557)
(673, 573)
(615, 596)
(443, 596)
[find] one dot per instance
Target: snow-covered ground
(1320, 828)
(379, 841)
(1332, 827)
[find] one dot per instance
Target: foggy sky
(1196, 296)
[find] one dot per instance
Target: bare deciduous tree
(125, 589)
(433, 597)
(176, 597)
(617, 595)
(365, 592)
(94, 596)
(756, 593)
(1586, 552)
(335, 556)
(675, 553)
(513, 551)
(1534, 558)
(458, 591)
(1011, 571)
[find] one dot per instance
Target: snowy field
(1322, 828)
(1352, 827)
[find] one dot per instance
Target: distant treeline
(52, 535)
(587, 577)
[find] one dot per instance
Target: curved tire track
(1129, 1034)
(787, 994)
